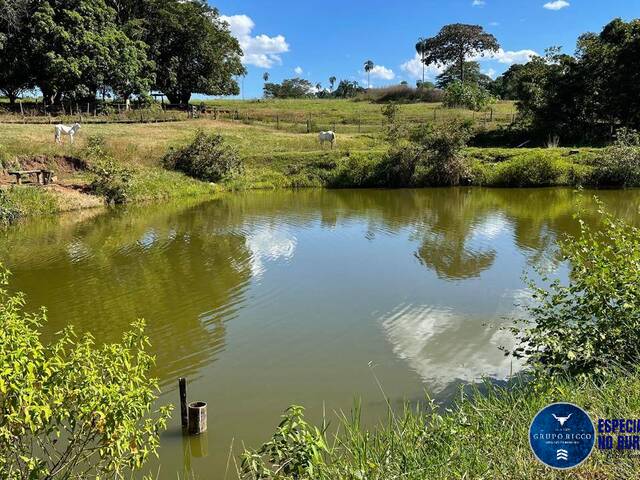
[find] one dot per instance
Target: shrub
(467, 95)
(393, 129)
(4, 158)
(441, 148)
(207, 158)
(9, 211)
(590, 325)
(535, 170)
(70, 409)
(356, 170)
(619, 165)
(112, 180)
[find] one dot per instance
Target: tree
(368, 66)
(332, 81)
(15, 74)
(472, 75)
(347, 89)
(289, 88)
(421, 50)
(193, 50)
(70, 409)
(78, 48)
(265, 77)
(456, 43)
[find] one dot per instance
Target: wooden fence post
(182, 384)
(277, 122)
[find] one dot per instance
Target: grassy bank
(272, 157)
(483, 435)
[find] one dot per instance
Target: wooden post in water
(182, 383)
(197, 418)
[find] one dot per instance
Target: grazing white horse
(327, 137)
(67, 130)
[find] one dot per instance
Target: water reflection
(269, 298)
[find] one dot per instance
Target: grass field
(273, 157)
(349, 116)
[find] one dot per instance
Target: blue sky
(316, 40)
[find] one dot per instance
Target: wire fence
(299, 122)
(288, 121)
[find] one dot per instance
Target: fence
(99, 113)
(298, 122)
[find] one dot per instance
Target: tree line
(77, 50)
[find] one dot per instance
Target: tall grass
(482, 435)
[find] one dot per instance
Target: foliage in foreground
(482, 436)
(592, 323)
(71, 409)
(207, 158)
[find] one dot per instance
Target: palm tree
(332, 81)
(265, 77)
(421, 48)
(318, 86)
(368, 66)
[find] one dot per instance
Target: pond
(313, 297)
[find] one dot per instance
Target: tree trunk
(462, 68)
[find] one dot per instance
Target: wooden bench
(43, 177)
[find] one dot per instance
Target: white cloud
(507, 57)
(557, 5)
(494, 24)
(490, 72)
(261, 50)
(414, 68)
(479, 3)
(380, 71)
(298, 70)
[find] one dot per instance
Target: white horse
(327, 137)
(67, 130)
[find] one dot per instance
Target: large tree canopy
(73, 50)
(457, 43)
(79, 49)
(14, 52)
(588, 96)
(289, 88)
(193, 50)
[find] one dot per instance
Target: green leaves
(71, 403)
(591, 325)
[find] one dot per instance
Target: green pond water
(266, 299)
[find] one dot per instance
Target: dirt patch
(63, 166)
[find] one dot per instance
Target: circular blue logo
(562, 436)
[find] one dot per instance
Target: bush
(619, 165)
(442, 162)
(591, 325)
(70, 409)
(207, 158)
(467, 95)
(9, 211)
(112, 180)
(535, 170)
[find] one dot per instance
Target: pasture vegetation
(134, 163)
